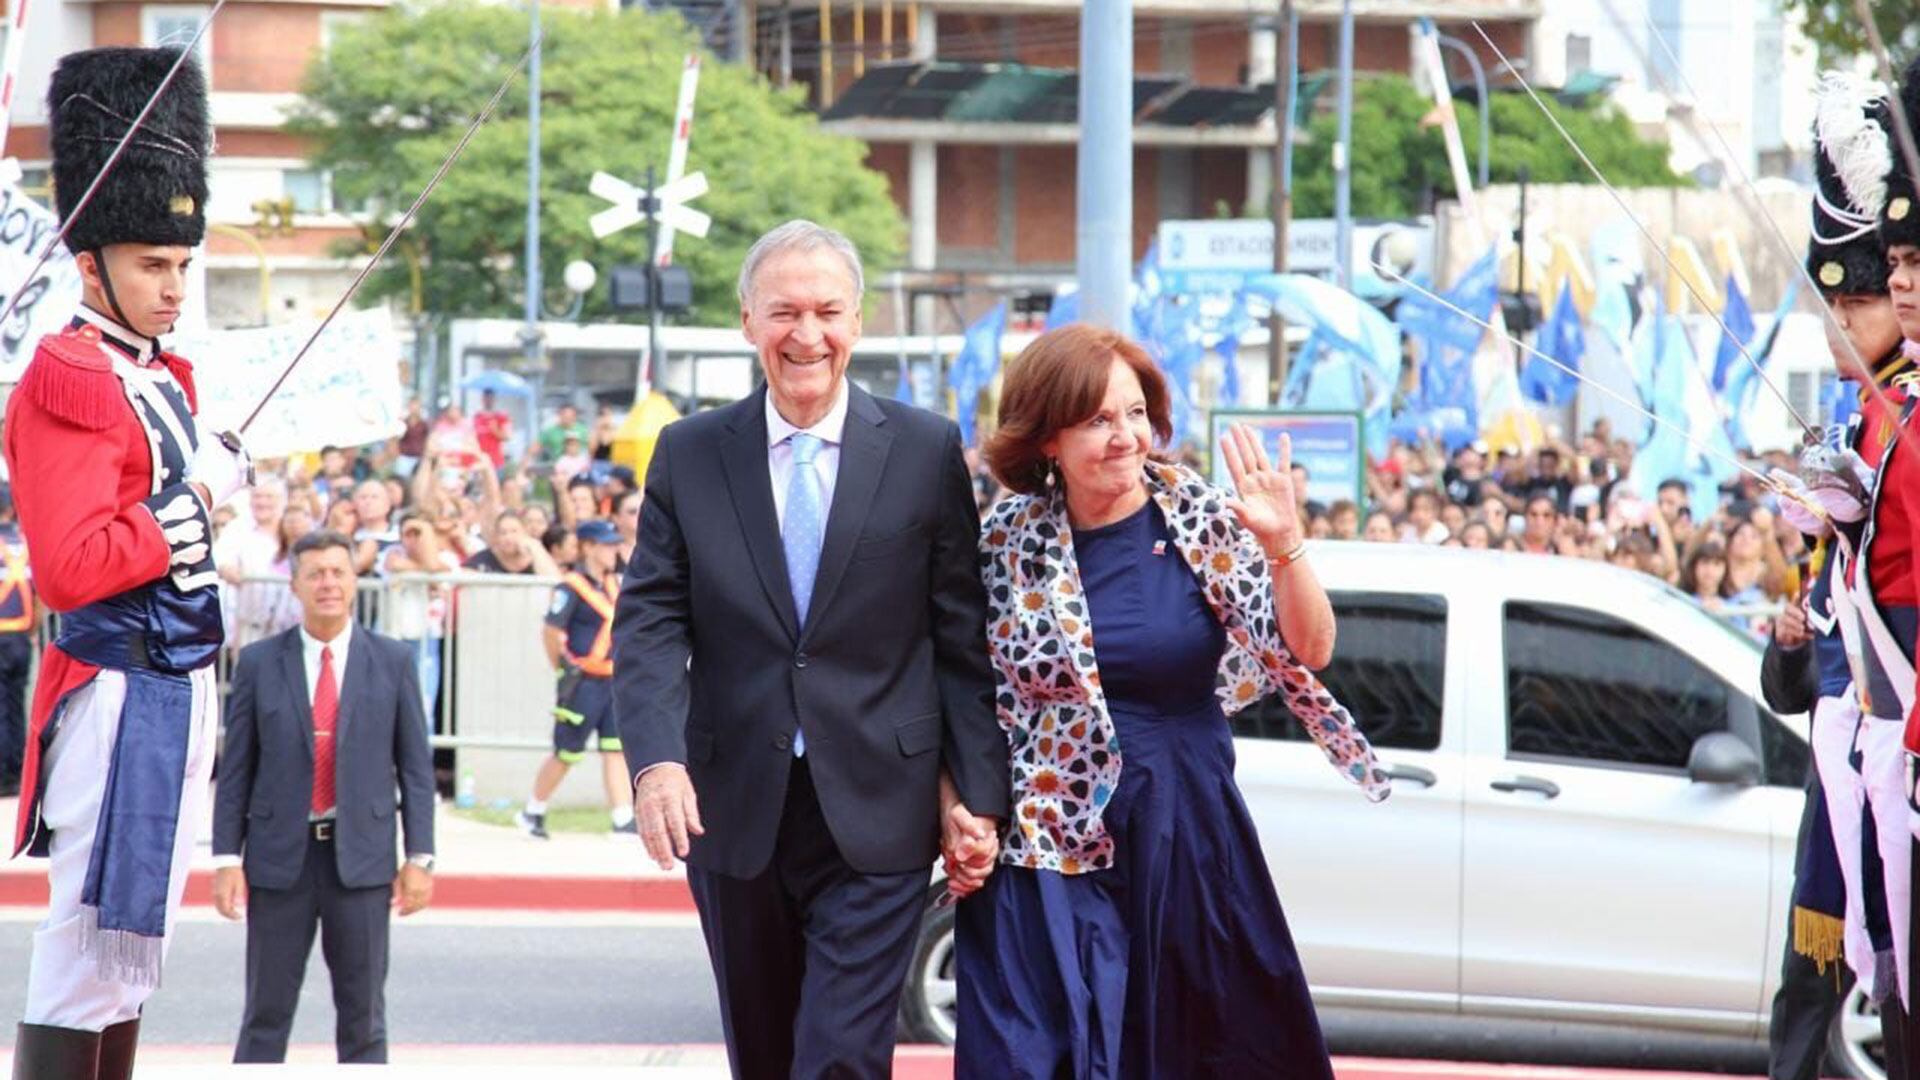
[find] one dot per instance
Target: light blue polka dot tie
(800, 535)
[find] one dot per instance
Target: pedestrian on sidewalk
(17, 619)
(801, 640)
(579, 641)
(323, 729)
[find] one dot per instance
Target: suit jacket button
(784, 742)
(799, 660)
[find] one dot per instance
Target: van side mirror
(1722, 757)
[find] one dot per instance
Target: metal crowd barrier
(476, 638)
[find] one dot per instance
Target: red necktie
(326, 714)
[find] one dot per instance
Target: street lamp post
(1480, 86)
(530, 335)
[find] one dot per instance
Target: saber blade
(394, 235)
(1665, 255)
(1757, 205)
(113, 159)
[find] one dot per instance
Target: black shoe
(41, 1052)
(117, 1045)
(629, 831)
(534, 825)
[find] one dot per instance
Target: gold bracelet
(1284, 561)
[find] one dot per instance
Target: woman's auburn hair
(1056, 382)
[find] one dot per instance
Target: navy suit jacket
(888, 678)
(382, 763)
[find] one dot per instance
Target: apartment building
(969, 107)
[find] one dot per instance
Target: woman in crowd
(1132, 928)
(342, 517)
(1704, 576)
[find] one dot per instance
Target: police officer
(579, 640)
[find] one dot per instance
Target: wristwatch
(424, 862)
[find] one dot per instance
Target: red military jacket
(81, 462)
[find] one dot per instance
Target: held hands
(1266, 502)
(668, 812)
(969, 843)
(412, 890)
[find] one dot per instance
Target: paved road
(519, 979)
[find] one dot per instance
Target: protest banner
(345, 393)
(26, 229)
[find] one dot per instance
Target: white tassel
(1858, 145)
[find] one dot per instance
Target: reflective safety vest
(599, 660)
(16, 596)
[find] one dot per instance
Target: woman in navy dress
(1131, 928)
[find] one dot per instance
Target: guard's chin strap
(106, 285)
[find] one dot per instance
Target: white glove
(224, 472)
(1794, 496)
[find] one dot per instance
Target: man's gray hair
(800, 235)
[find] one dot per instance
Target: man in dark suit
(323, 728)
(801, 639)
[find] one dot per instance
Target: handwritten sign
(346, 392)
(26, 230)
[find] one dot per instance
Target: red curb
(458, 891)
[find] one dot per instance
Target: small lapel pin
(1159, 547)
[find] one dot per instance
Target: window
(1590, 688)
(37, 182)
(1579, 54)
(175, 25)
(1389, 669)
(332, 22)
(1783, 754)
(307, 188)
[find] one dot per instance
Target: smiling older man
(801, 642)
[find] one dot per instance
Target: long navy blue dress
(1176, 962)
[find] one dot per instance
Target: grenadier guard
(113, 480)
(1879, 603)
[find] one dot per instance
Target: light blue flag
(1351, 360)
(1743, 381)
(975, 367)
(903, 386)
(1064, 309)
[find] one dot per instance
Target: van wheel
(1854, 1047)
(928, 1005)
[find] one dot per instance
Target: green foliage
(1399, 166)
(1835, 28)
(393, 94)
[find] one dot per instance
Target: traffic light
(672, 288)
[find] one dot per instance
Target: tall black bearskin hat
(1900, 218)
(1852, 153)
(157, 191)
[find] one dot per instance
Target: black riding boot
(117, 1044)
(42, 1052)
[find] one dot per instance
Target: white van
(1593, 817)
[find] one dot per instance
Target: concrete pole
(530, 337)
(923, 189)
(1285, 81)
(1343, 156)
(1104, 184)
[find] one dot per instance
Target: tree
(1835, 28)
(1400, 165)
(393, 94)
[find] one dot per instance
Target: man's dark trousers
(16, 661)
(353, 927)
(838, 938)
(1808, 998)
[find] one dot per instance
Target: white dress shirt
(780, 433)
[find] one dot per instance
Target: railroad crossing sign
(632, 204)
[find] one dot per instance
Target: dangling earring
(1052, 465)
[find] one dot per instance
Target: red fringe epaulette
(182, 369)
(70, 378)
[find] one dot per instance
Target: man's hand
(668, 812)
(230, 892)
(413, 889)
(1790, 629)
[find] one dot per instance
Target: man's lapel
(356, 690)
(293, 666)
(744, 456)
(863, 456)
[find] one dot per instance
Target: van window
(1389, 669)
(1591, 688)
